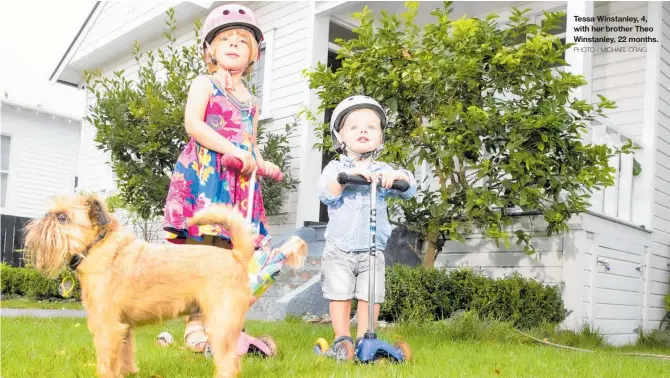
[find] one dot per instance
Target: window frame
(8, 190)
(266, 51)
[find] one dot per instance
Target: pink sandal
(195, 337)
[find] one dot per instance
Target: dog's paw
(133, 370)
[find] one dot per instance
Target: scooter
(370, 349)
(262, 271)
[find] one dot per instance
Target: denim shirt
(349, 212)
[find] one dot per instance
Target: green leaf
(637, 168)
(393, 105)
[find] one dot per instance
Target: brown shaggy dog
(127, 282)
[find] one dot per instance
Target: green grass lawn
(23, 303)
(34, 347)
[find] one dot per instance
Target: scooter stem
(370, 334)
(250, 198)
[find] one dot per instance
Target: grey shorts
(345, 275)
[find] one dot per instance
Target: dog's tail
(236, 224)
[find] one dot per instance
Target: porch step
(319, 227)
(289, 279)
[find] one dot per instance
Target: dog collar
(79, 257)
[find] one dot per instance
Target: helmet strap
(355, 155)
(374, 154)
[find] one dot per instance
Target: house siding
(43, 159)
(620, 77)
(96, 173)
(114, 19)
(612, 300)
(659, 259)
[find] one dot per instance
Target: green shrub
(27, 282)
(422, 294)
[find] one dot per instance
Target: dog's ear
(97, 211)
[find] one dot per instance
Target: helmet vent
(226, 12)
(242, 11)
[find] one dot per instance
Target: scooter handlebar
(344, 179)
(232, 162)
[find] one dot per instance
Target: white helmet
(343, 109)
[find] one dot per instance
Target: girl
(221, 116)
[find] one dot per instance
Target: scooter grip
(343, 179)
(400, 185)
(232, 162)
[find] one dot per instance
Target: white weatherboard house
(614, 261)
(38, 159)
(40, 153)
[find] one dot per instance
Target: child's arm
(196, 105)
(329, 190)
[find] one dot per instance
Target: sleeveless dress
(199, 179)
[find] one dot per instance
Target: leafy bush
(27, 282)
(275, 148)
(421, 294)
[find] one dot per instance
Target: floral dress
(199, 179)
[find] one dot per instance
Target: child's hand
(356, 171)
(248, 161)
(388, 177)
(270, 168)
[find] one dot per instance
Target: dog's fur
(127, 282)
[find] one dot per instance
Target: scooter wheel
(404, 348)
(345, 351)
(270, 342)
(321, 346)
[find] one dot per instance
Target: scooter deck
(369, 350)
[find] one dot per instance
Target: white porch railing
(620, 200)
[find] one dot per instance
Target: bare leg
(362, 315)
(339, 315)
(195, 336)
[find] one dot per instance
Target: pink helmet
(230, 16)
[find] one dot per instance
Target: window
(336, 30)
(261, 77)
(258, 74)
(5, 147)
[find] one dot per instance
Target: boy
(356, 127)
